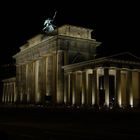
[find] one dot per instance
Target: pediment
(126, 56)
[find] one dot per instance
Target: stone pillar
(18, 81)
(123, 88)
(13, 95)
(43, 78)
(139, 89)
(73, 88)
(3, 95)
(106, 85)
(15, 92)
(27, 83)
(69, 96)
(95, 88)
(23, 75)
(31, 81)
(6, 95)
(8, 92)
(129, 93)
(78, 90)
(135, 88)
(49, 75)
(66, 88)
(11, 91)
(37, 92)
(60, 77)
(90, 78)
(83, 88)
(118, 88)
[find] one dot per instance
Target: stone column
(7, 92)
(95, 88)
(23, 75)
(123, 87)
(106, 85)
(15, 92)
(73, 88)
(66, 88)
(139, 89)
(135, 88)
(11, 92)
(31, 81)
(37, 92)
(49, 75)
(6, 95)
(78, 89)
(118, 88)
(27, 83)
(129, 93)
(18, 81)
(3, 95)
(83, 88)
(42, 79)
(90, 78)
(69, 96)
(60, 77)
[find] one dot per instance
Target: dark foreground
(68, 124)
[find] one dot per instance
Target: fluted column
(60, 77)
(66, 88)
(49, 75)
(23, 75)
(11, 91)
(118, 88)
(37, 92)
(27, 83)
(106, 86)
(90, 78)
(135, 88)
(31, 81)
(3, 95)
(6, 92)
(43, 78)
(73, 88)
(83, 88)
(69, 96)
(95, 88)
(15, 92)
(18, 81)
(138, 89)
(78, 89)
(129, 92)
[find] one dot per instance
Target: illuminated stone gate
(39, 73)
(60, 68)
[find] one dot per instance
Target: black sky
(115, 24)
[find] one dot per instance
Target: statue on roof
(48, 26)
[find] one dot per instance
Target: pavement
(36, 124)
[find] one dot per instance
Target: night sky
(115, 24)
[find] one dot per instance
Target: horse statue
(49, 27)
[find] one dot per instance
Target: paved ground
(56, 124)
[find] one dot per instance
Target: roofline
(102, 59)
(73, 26)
